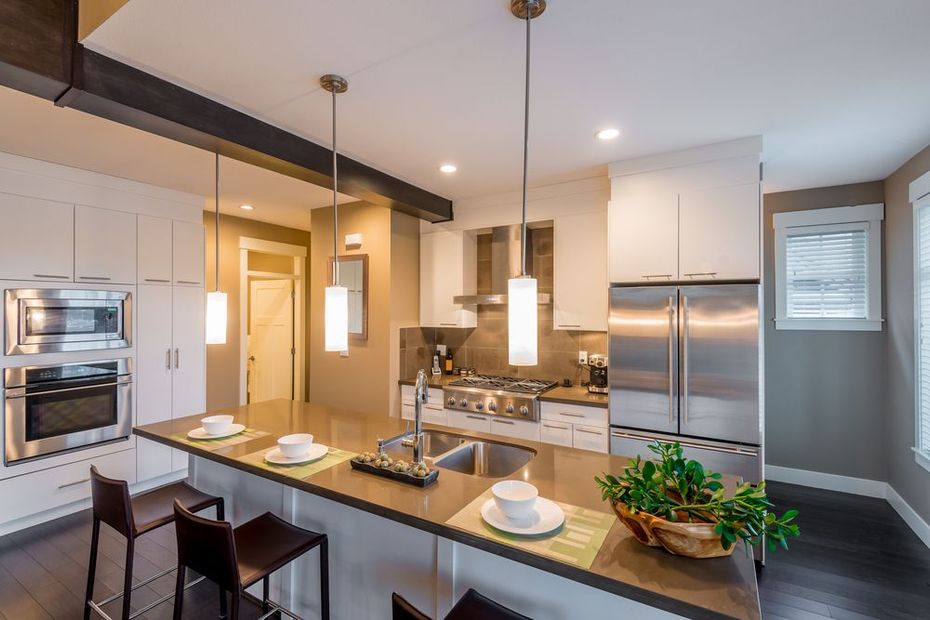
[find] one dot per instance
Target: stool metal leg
(265, 594)
(234, 607)
(127, 578)
(92, 567)
(324, 578)
(179, 592)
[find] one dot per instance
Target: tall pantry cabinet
(170, 350)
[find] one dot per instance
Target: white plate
(199, 433)
(317, 451)
(546, 517)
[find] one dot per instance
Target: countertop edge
(512, 553)
(568, 400)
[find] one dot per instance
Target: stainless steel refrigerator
(685, 365)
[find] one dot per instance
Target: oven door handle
(70, 389)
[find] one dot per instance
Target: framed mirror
(353, 274)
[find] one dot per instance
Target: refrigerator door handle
(685, 337)
(671, 359)
(688, 444)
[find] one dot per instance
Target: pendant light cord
(526, 137)
(216, 178)
(335, 206)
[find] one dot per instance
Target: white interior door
(271, 339)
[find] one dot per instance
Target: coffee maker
(597, 366)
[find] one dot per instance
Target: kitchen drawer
(57, 486)
(406, 411)
(574, 414)
(407, 396)
(434, 414)
(469, 421)
(590, 438)
(558, 433)
(517, 429)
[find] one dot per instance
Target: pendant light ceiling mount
(333, 83)
(518, 8)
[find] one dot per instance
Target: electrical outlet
(583, 358)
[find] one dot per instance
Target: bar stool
(236, 558)
(132, 517)
(472, 605)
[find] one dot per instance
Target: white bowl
(216, 424)
(515, 498)
(293, 446)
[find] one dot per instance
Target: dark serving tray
(396, 475)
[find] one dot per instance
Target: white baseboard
(858, 486)
(831, 482)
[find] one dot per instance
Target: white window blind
(922, 275)
(827, 273)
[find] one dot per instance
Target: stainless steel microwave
(54, 320)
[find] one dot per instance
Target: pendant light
(522, 310)
(336, 304)
(216, 300)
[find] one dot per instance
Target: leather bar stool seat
(236, 558)
(133, 517)
(471, 606)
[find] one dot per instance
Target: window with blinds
(828, 269)
(922, 277)
(827, 274)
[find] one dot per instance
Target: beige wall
(392, 243)
(223, 359)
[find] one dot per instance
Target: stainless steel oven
(53, 320)
(51, 409)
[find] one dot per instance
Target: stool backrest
(112, 504)
(473, 604)
(208, 547)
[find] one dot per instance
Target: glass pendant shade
(522, 316)
(216, 318)
(336, 318)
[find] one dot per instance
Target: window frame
(921, 456)
(860, 217)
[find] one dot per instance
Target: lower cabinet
(557, 433)
(517, 429)
(575, 426)
(590, 438)
(470, 421)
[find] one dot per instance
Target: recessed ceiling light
(607, 134)
(448, 168)
(246, 207)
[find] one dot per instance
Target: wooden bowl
(692, 540)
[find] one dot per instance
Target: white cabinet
(448, 267)
(515, 429)
(578, 426)
(187, 253)
(469, 421)
(590, 438)
(643, 236)
(171, 371)
(557, 433)
(36, 239)
(580, 272)
(720, 233)
(104, 246)
(155, 250)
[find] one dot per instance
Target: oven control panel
(498, 402)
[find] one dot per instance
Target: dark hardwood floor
(855, 559)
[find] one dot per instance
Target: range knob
(452, 400)
(463, 402)
(509, 408)
(479, 406)
(492, 406)
(524, 410)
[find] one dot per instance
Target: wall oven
(53, 320)
(51, 409)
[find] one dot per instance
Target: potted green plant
(673, 502)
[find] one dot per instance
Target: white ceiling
(35, 128)
(836, 87)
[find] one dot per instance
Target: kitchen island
(386, 536)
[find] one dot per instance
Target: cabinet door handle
(177, 358)
(73, 484)
(503, 422)
(569, 325)
(100, 278)
(571, 415)
(667, 276)
(581, 430)
(685, 338)
(49, 275)
(168, 359)
(671, 359)
(475, 417)
(449, 324)
(712, 274)
(187, 282)
(156, 280)
(561, 428)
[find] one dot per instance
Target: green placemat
(576, 543)
(300, 472)
(215, 444)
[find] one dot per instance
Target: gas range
(504, 396)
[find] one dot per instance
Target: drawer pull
(561, 428)
(571, 415)
(73, 484)
(156, 280)
(48, 275)
(187, 282)
(449, 324)
(581, 430)
(569, 325)
(667, 276)
(102, 278)
(712, 274)
(476, 417)
(503, 422)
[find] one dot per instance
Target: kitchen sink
(488, 459)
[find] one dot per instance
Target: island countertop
(715, 588)
(573, 395)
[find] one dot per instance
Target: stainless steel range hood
(505, 264)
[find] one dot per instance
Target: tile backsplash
(485, 347)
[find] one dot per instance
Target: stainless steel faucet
(421, 395)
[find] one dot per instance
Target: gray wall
(910, 480)
(824, 390)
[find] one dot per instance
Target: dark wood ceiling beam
(36, 41)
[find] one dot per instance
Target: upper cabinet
(448, 267)
(154, 250)
(693, 215)
(580, 272)
(104, 246)
(187, 253)
(36, 239)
